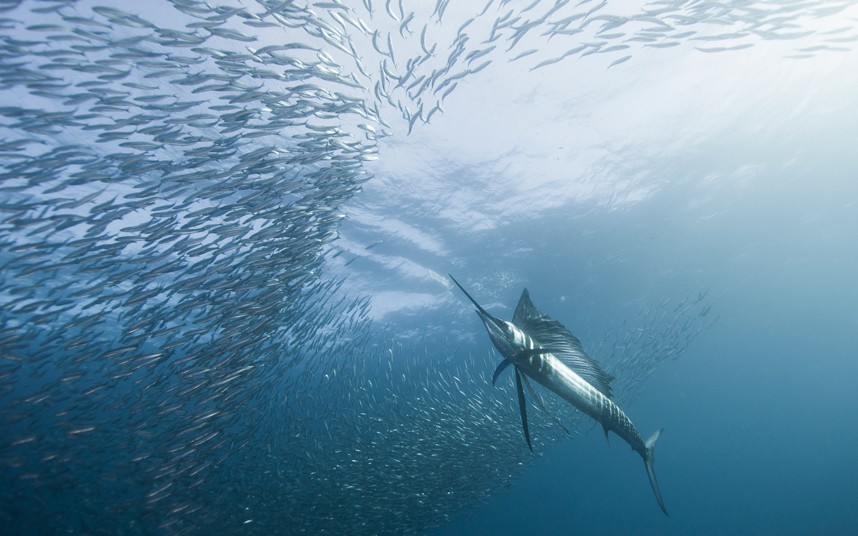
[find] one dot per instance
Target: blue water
(757, 419)
(754, 444)
(226, 232)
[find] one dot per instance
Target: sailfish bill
(542, 349)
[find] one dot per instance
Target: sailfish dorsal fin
(553, 335)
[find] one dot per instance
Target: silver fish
(541, 348)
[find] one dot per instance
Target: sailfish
(541, 348)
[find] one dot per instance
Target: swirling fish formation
(174, 356)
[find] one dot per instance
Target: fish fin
(522, 408)
(501, 367)
(550, 333)
(650, 472)
(605, 428)
(533, 395)
(538, 402)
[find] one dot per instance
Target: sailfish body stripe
(555, 376)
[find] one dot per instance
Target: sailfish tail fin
(650, 472)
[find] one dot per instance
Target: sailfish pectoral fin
(501, 367)
(540, 405)
(522, 408)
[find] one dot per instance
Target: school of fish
(175, 356)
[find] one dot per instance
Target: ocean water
(226, 231)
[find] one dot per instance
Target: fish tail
(650, 472)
